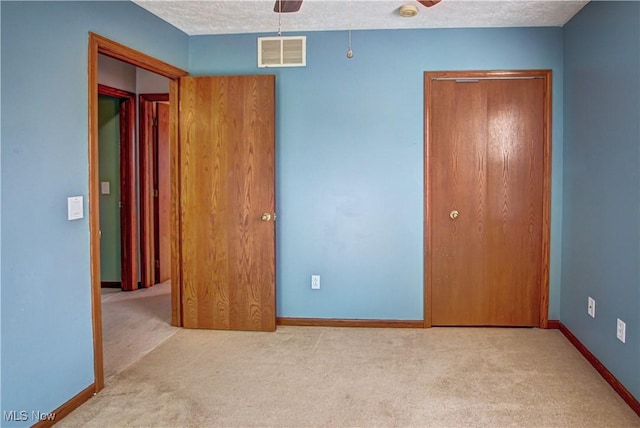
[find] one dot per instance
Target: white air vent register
(282, 51)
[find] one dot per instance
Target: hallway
(134, 323)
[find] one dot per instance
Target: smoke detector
(408, 11)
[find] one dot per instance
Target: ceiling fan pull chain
(279, 18)
(349, 51)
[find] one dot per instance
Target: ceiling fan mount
(429, 3)
(287, 6)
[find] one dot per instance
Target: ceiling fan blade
(428, 3)
(287, 6)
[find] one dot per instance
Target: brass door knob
(454, 214)
(266, 217)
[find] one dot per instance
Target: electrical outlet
(621, 330)
(591, 307)
(315, 282)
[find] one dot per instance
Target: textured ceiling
(251, 16)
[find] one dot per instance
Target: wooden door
(163, 208)
(155, 187)
(227, 183)
(486, 201)
(128, 209)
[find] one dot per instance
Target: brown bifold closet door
(485, 184)
(227, 202)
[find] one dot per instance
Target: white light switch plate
(75, 208)
(621, 330)
(315, 282)
(105, 187)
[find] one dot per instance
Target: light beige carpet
(308, 376)
(133, 324)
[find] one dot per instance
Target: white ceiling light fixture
(408, 11)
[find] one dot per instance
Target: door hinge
(157, 264)
(155, 121)
(155, 193)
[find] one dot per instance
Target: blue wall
(350, 158)
(0, 230)
(47, 342)
(601, 232)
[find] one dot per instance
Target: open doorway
(101, 45)
(135, 307)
